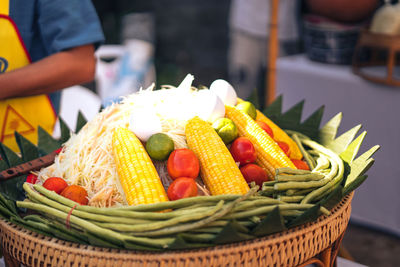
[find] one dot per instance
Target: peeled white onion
(144, 123)
(225, 91)
(208, 106)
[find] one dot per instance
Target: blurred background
(338, 53)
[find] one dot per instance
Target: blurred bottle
(133, 66)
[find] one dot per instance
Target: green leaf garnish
(46, 142)
(340, 144)
(28, 150)
(65, 131)
(81, 121)
(272, 223)
(328, 132)
(359, 166)
(230, 234)
(307, 216)
(9, 156)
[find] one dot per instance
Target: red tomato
(55, 184)
(31, 178)
(76, 193)
(266, 128)
(182, 187)
(58, 150)
(300, 164)
(183, 163)
(254, 173)
(243, 151)
(285, 147)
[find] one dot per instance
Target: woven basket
(287, 248)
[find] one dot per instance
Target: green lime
(226, 129)
(159, 146)
(248, 108)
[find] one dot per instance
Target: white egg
(208, 106)
(144, 123)
(225, 91)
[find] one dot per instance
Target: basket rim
(81, 249)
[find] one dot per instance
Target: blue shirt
(51, 26)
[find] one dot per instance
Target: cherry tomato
(31, 178)
(76, 193)
(182, 187)
(55, 184)
(183, 163)
(285, 147)
(266, 128)
(300, 164)
(58, 150)
(243, 151)
(254, 173)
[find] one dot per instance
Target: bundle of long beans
(151, 226)
(302, 186)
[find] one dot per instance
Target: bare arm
(63, 69)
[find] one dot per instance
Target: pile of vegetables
(181, 168)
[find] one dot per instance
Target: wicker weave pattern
(288, 248)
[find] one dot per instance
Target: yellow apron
(22, 114)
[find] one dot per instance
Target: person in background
(249, 26)
(45, 46)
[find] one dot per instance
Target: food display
(181, 167)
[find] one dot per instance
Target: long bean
(313, 184)
(299, 185)
(35, 218)
(163, 224)
(37, 225)
(337, 162)
(268, 183)
(310, 160)
(255, 203)
(300, 177)
(267, 209)
(6, 211)
(290, 199)
(287, 170)
(114, 237)
(54, 224)
(20, 222)
(128, 217)
(268, 188)
(201, 205)
(322, 163)
(185, 202)
(81, 214)
(8, 204)
(193, 225)
(298, 192)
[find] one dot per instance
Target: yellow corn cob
(137, 174)
(269, 155)
(281, 136)
(218, 169)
